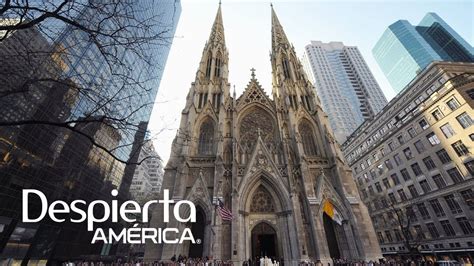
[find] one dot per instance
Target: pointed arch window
(218, 65)
(286, 68)
(208, 66)
(262, 201)
(206, 138)
(307, 138)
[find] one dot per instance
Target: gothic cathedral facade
(272, 161)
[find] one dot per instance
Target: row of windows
(438, 180)
(464, 119)
(432, 232)
(202, 99)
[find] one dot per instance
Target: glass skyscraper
(404, 49)
(61, 163)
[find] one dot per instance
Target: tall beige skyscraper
(347, 89)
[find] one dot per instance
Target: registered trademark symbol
(198, 241)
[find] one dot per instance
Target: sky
(247, 26)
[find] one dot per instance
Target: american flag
(225, 213)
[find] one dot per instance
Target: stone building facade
(415, 157)
(273, 162)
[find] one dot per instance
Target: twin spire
(278, 34)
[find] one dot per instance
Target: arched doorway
(197, 228)
(331, 237)
(264, 241)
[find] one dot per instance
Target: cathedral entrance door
(264, 241)
(331, 236)
(197, 228)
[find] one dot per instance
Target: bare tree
(69, 63)
(402, 216)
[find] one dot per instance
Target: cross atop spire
(278, 34)
(253, 72)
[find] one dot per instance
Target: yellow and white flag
(329, 209)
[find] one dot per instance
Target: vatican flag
(329, 209)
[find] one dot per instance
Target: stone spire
(215, 57)
(217, 33)
(278, 34)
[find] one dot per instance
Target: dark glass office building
(83, 160)
(404, 50)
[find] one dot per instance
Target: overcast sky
(247, 31)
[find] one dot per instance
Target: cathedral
(273, 162)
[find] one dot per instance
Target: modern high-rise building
(414, 166)
(148, 175)
(404, 50)
(50, 80)
(347, 89)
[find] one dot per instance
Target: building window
(443, 156)
(218, 66)
(423, 124)
(307, 138)
(419, 146)
(411, 214)
(286, 68)
(388, 164)
(468, 196)
(412, 132)
(419, 232)
(448, 228)
(430, 165)
(447, 130)
(465, 225)
(408, 153)
(439, 181)
(371, 190)
(433, 231)
(460, 148)
(464, 120)
(423, 211)
(398, 160)
(402, 195)
(437, 208)
(453, 104)
(455, 175)
(452, 204)
(378, 187)
(416, 169)
(380, 237)
(398, 235)
(372, 174)
(206, 138)
(400, 139)
(425, 186)
(392, 198)
(437, 114)
(208, 67)
(395, 179)
(391, 146)
(386, 183)
(433, 139)
(406, 176)
(389, 236)
(470, 167)
(413, 191)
